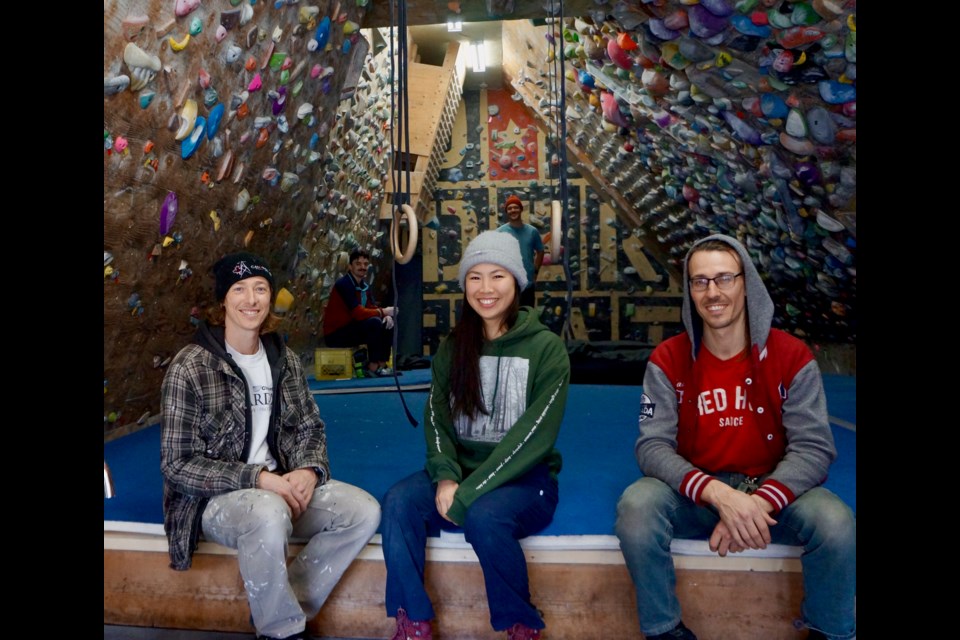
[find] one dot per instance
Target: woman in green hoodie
(496, 403)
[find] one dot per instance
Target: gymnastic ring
(556, 233)
(411, 216)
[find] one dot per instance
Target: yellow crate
(333, 364)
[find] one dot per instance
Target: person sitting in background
(243, 453)
(734, 445)
(352, 316)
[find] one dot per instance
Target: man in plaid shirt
(244, 459)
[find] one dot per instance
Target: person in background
(734, 446)
(496, 403)
(531, 247)
(244, 459)
(352, 316)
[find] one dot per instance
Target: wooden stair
(434, 96)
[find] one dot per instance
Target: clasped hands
(295, 487)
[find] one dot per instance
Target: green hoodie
(524, 374)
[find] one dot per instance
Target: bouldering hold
(321, 36)
(143, 66)
(241, 201)
(179, 45)
(115, 85)
(168, 212)
(146, 97)
(283, 301)
(184, 7)
(213, 121)
(191, 143)
(188, 117)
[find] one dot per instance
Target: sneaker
(679, 632)
(408, 629)
(522, 632)
(383, 372)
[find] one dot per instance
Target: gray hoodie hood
(759, 303)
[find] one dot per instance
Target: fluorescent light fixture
(477, 55)
(454, 26)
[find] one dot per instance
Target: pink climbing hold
(611, 110)
(620, 57)
(184, 7)
(255, 84)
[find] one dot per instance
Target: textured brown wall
(148, 298)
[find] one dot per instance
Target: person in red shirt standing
(352, 316)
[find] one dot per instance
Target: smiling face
(719, 310)
(514, 211)
(246, 306)
(358, 268)
(490, 291)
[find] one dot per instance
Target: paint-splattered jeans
(337, 524)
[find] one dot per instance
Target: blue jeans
(494, 525)
(338, 523)
(650, 514)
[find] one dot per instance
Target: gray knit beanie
(494, 247)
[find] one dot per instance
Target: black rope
(558, 84)
(400, 117)
(564, 192)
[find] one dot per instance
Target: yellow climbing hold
(284, 300)
(167, 241)
(723, 59)
(247, 239)
(216, 220)
(107, 271)
(852, 22)
(180, 46)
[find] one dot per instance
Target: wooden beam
(646, 313)
(579, 601)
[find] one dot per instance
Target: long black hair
(468, 339)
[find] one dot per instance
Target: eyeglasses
(723, 281)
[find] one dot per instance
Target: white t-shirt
(256, 369)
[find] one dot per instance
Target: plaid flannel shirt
(205, 433)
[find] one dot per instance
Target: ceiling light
(477, 55)
(454, 26)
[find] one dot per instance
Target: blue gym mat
(372, 445)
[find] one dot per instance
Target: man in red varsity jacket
(734, 445)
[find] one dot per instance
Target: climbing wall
(620, 291)
(697, 118)
(218, 120)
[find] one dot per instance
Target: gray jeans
(337, 524)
